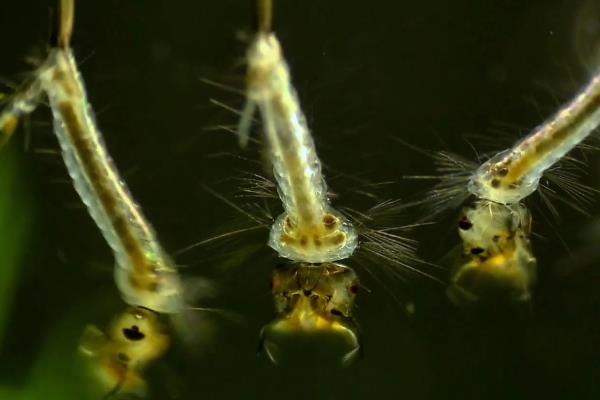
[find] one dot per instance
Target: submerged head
(501, 180)
(135, 338)
(332, 238)
(312, 299)
(496, 258)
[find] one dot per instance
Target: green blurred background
(432, 73)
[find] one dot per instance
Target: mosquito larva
(309, 230)
(512, 175)
(502, 251)
(500, 223)
(314, 294)
(145, 275)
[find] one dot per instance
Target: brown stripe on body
(564, 124)
(97, 172)
(304, 199)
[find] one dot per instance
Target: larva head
(134, 339)
(266, 69)
(331, 239)
(152, 283)
(312, 299)
(501, 179)
(140, 335)
(496, 258)
(330, 289)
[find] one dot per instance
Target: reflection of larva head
(134, 339)
(496, 257)
(152, 285)
(502, 180)
(266, 69)
(331, 239)
(314, 298)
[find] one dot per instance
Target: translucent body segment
(312, 299)
(496, 259)
(305, 231)
(514, 174)
(145, 275)
(119, 356)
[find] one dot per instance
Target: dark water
(431, 73)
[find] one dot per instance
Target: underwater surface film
(462, 76)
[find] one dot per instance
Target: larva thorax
(331, 238)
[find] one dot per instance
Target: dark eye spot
(133, 333)
(477, 250)
(354, 289)
(464, 224)
(495, 183)
(502, 172)
(336, 312)
(307, 292)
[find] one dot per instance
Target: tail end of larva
(265, 15)
(245, 124)
(66, 12)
